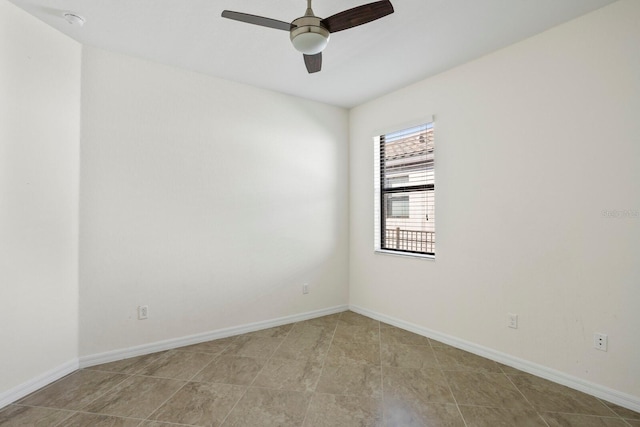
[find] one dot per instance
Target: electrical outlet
(600, 341)
(143, 312)
(305, 288)
(512, 320)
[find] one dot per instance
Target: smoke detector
(74, 19)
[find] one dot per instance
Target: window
(398, 207)
(396, 181)
(404, 191)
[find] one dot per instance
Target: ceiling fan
(310, 34)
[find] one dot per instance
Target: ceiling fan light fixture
(308, 36)
(310, 43)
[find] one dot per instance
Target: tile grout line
(435, 355)
(588, 415)
(324, 360)
(258, 374)
(78, 371)
(183, 385)
(525, 397)
(128, 376)
(38, 406)
(108, 415)
(59, 423)
(73, 412)
(216, 357)
(167, 423)
(609, 408)
(167, 399)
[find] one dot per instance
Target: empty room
(338, 213)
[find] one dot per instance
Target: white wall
(533, 143)
(39, 140)
(210, 201)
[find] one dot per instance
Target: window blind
(405, 191)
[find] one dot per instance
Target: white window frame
(377, 193)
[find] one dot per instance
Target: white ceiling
(422, 38)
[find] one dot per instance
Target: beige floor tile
(329, 321)
(200, 404)
(349, 353)
(392, 335)
(261, 407)
(231, 370)
(179, 365)
(351, 380)
(623, 412)
(436, 343)
(339, 370)
(15, 415)
(285, 374)
(416, 385)
(328, 410)
(401, 413)
(478, 416)
(95, 420)
(213, 347)
(546, 396)
(305, 342)
(249, 346)
(276, 332)
(156, 424)
(485, 389)
(357, 333)
(408, 356)
(355, 319)
(509, 370)
(453, 359)
(76, 390)
(136, 397)
(311, 331)
(574, 420)
(130, 366)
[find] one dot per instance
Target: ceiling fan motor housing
(308, 35)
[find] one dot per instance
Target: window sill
(404, 254)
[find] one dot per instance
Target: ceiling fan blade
(357, 16)
(313, 62)
(257, 20)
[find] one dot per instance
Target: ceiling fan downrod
(309, 11)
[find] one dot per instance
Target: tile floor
(339, 370)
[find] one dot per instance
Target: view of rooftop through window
(405, 211)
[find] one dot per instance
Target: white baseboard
(139, 350)
(597, 390)
(18, 392)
